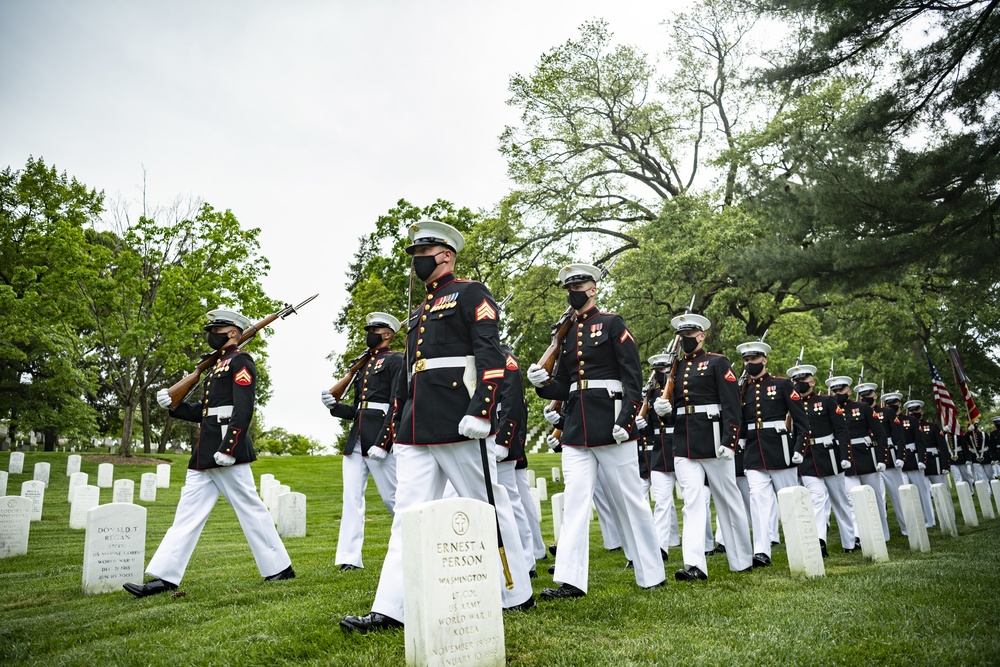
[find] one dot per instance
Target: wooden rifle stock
(647, 394)
(556, 406)
(183, 387)
(341, 385)
(559, 332)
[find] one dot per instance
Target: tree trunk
(165, 438)
(51, 439)
(146, 431)
(125, 449)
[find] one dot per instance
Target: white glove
(662, 406)
(224, 460)
(619, 434)
(501, 452)
(880, 467)
(797, 458)
(921, 466)
(163, 398)
(553, 441)
(537, 375)
(844, 465)
(474, 428)
(641, 423)
(551, 416)
(725, 453)
(376, 453)
(327, 398)
(898, 463)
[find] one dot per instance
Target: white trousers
(356, 470)
(421, 473)
(980, 474)
(764, 486)
(201, 491)
(918, 479)
(505, 473)
(621, 475)
(893, 478)
(607, 518)
(959, 474)
(534, 523)
(873, 480)
(827, 491)
(732, 517)
(744, 486)
(665, 512)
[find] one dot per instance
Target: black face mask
(373, 339)
(802, 387)
(217, 340)
(870, 400)
(754, 368)
(918, 415)
(577, 300)
(689, 344)
(424, 265)
(843, 399)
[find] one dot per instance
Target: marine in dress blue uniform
(915, 454)
(219, 464)
(599, 379)
(659, 434)
(892, 476)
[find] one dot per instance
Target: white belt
(221, 411)
(439, 362)
(932, 450)
(912, 447)
(776, 425)
(368, 405)
(861, 441)
(825, 440)
(668, 431)
(614, 386)
(714, 408)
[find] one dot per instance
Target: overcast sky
(306, 119)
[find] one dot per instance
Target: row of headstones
(287, 508)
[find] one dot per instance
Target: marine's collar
(440, 283)
(587, 314)
(763, 377)
(694, 355)
(228, 350)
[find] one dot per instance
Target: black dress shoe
(552, 569)
(370, 622)
(532, 574)
(720, 548)
(690, 573)
(287, 573)
(615, 549)
(664, 555)
(822, 548)
(629, 566)
(710, 552)
(347, 567)
(857, 542)
(524, 606)
(552, 549)
(775, 543)
(851, 550)
(649, 588)
(761, 560)
(564, 591)
(149, 588)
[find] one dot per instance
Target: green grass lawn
(938, 608)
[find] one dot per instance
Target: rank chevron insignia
(511, 363)
(243, 378)
(485, 311)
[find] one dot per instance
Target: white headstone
(557, 515)
(147, 487)
(451, 584)
(105, 475)
(967, 504)
(15, 520)
(798, 523)
(276, 494)
(115, 547)
(531, 477)
(995, 486)
(36, 491)
(163, 476)
(556, 475)
(124, 491)
(16, 464)
(292, 515)
(913, 516)
(537, 499)
(985, 504)
(42, 473)
(869, 524)
(945, 509)
(3, 482)
(542, 485)
(72, 464)
(75, 480)
(85, 497)
(267, 491)
(265, 477)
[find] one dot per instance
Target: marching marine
(914, 455)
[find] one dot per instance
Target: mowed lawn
(938, 608)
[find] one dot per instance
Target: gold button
(685, 382)
(423, 318)
(581, 371)
(579, 354)
(418, 353)
(421, 329)
(685, 391)
(487, 400)
(454, 384)
(582, 362)
(579, 334)
(579, 326)
(430, 296)
(484, 412)
(419, 341)
(434, 284)
(441, 315)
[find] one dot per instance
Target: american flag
(963, 384)
(942, 399)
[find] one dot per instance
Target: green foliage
(279, 441)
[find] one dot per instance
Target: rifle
(338, 389)
(184, 386)
(556, 406)
(646, 391)
(561, 328)
(668, 388)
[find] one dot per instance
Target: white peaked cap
(381, 320)
(432, 232)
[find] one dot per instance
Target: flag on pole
(963, 383)
(942, 400)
